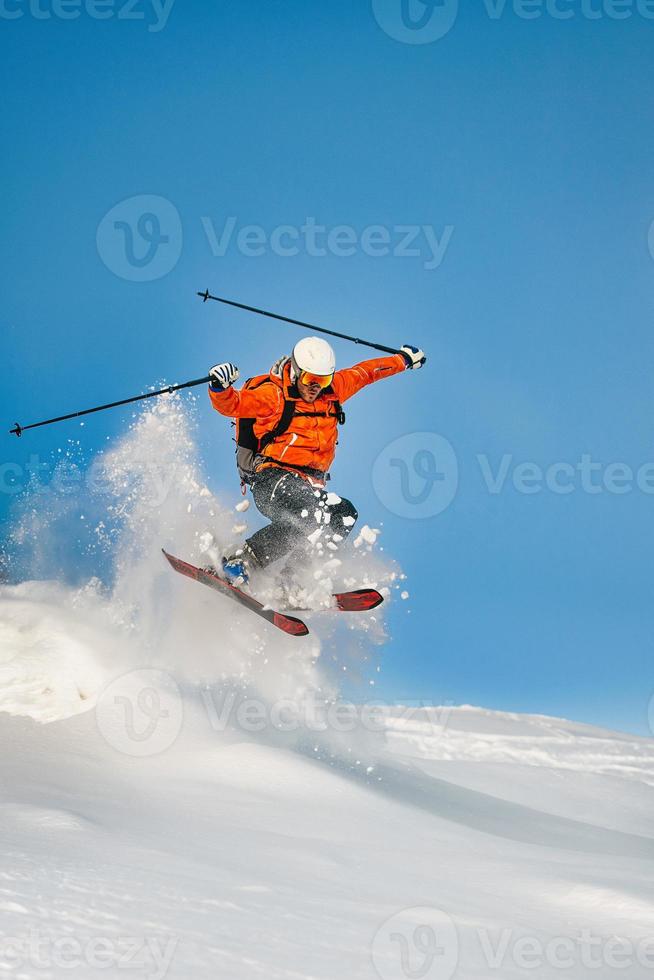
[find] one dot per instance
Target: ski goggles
(323, 380)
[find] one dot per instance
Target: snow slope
(233, 855)
(183, 794)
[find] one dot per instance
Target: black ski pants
(303, 517)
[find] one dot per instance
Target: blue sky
(523, 145)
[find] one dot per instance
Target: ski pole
(298, 323)
(19, 429)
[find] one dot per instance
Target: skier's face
(310, 385)
(309, 393)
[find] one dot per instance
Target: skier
(286, 433)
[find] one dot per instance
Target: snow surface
(185, 795)
(256, 855)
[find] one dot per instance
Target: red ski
(359, 600)
(288, 624)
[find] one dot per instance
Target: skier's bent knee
(348, 514)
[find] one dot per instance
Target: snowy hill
(233, 855)
(184, 795)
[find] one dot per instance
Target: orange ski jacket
(310, 440)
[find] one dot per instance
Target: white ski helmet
(314, 355)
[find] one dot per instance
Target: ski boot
(237, 567)
(291, 580)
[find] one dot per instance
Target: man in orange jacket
(287, 428)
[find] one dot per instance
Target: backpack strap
(290, 412)
(338, 414)
(285, 420)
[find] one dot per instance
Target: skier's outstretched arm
(351, 380)
(260, 403)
